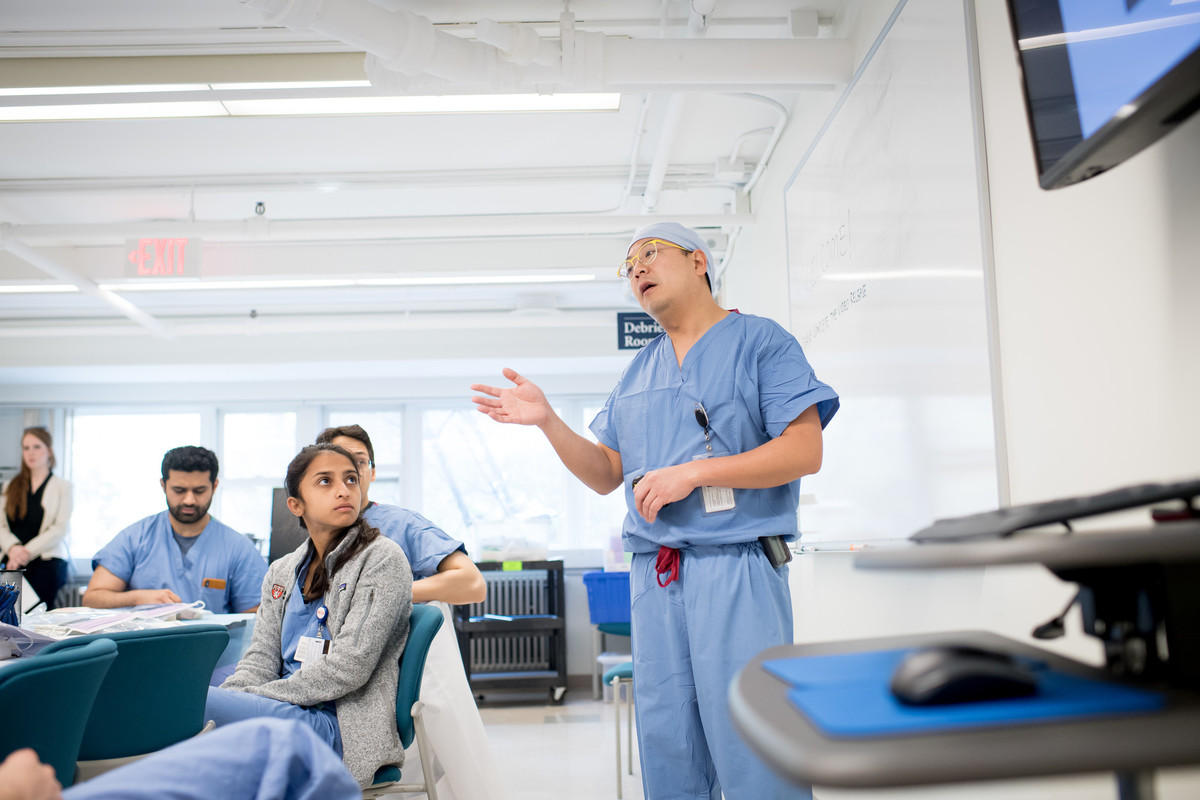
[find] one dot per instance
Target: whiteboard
(887, 288)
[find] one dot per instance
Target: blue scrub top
(425, 544)
(299, 619)
(752, 379)
(146, 556)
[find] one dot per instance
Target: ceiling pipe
(519, 44)
(401, 40)
(407, 54)
(67, 275)
(262, 229)
(699, 13)
(662, 154)
(635, 149)
(776, 133)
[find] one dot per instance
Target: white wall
(1097, 287)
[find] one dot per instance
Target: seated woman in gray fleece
(332, 624)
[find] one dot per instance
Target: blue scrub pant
(251, 760)
(689, 641)
(227, 705)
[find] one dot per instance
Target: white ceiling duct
(407, 54)
(662, 153)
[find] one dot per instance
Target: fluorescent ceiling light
(26, 91)
(154, 88)
(222, 101)
(469, 279)
(178, 285)
(210, 108)
(444, 104)
(246, 87)
(38, 288)
(181, 285)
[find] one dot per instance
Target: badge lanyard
(322, 616)
(716, 498)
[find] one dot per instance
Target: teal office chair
(600, 633)
(153, 696)
(47, 700)
(410, 724)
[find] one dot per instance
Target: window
(494, 486)
(482, 482)
(116, 465)
(602, 515)
(255, 451)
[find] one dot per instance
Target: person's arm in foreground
(598, 466)
(249, 760)
(24, 777)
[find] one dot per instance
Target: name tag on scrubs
(309, 647)
(716, 498)
(213, 583)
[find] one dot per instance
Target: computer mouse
(945, 675)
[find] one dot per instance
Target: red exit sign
(162, 258)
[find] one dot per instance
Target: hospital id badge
(716, 498)
(309, 647)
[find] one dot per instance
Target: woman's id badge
(309, 647)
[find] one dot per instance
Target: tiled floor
(566, 753)
(561, 752)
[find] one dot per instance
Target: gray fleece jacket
(370, 601)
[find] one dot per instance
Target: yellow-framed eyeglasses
(645, 255)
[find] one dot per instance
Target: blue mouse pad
(847, 695)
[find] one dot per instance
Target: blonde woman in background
(33, 527)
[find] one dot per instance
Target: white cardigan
(50, 541)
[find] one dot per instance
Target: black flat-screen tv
(1104, 79)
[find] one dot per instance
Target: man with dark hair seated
(182, 554)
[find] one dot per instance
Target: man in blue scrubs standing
(182, 554)
(715, 422)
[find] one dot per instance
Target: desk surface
(803, 754)
(1171, 542)
(54, 617)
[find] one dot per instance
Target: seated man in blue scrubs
(252, 760)
(182, 554)
(441, 568)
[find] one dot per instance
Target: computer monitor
(286, 533)
(1104, 79)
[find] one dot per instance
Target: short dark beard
(202, 509)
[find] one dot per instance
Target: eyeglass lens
(645, 256)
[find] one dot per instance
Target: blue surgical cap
(678, 234)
